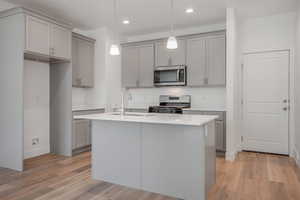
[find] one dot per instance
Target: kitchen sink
(134, 114)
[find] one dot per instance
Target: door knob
(285, 108)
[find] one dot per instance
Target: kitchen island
(170, 154)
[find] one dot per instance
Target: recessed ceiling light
(126, 21)
(189, 10)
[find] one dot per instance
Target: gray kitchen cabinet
(83, 50)
(146, 65)
(196, 62)
(216, 60)
(130, 66)
(220, 126)
(206, 61)
(137, 65)
(60, 42)
(47, 39)
(220, 135)
(168, 57)
(81, 133)
(37, 36)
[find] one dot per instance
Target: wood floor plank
(253, 176)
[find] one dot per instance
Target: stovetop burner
(171, 104)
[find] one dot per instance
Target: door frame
(291, 83)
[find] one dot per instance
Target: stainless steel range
(171, 104)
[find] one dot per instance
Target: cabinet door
(216, 60)
(86, 63)
(196, 62)
(130, 66)
(81, 133)
(37, 35)
(220, 139)
(146, 65)
(178, 56)
(167, 57)
(162, 55)
(60, 42)
(76, 82)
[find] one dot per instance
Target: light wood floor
(252, 177)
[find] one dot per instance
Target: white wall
(36, 108)
(276, 32)
(107, 90)
(268, 33)
(202, 98)
(178, 32)
(297, 89)
(5, 5)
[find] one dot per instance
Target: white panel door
(266, 97)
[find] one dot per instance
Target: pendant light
(172, 41)
(114, 48)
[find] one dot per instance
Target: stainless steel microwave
(170, 76)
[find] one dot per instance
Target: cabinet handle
(205, 81)
(51, 51)
(170, 61)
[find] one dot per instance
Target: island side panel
(210, 156)
(173, 160)
(116, 152)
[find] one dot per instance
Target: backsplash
(202, 98)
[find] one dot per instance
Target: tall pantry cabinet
(25, 34)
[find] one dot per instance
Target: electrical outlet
(35, 141)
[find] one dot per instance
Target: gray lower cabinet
(81, 133)
(137, 65)
(83, 50)
(220, 126)
(206, 61)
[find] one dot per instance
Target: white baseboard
(36, 152)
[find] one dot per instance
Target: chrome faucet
(123, 101)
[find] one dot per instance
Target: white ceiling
(148, 16)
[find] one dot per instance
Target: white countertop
(86, 107)
(152, 118)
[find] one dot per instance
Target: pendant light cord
(115, 19)
(172, 16)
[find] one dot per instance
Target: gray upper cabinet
(130, 66)
(216, 60)
(60, 42)
(83, 50)
(203, 54)
(146, 65)
(47, 38)
(37, 36)
(168, 57)
(206, 61)
(196, 62)
(137, 65)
